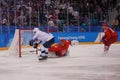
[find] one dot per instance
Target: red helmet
(62, 40)
(68, 42)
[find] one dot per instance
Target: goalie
(61, 49)
(46, 38)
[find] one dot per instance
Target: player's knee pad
(44, 49)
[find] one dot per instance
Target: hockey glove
(31, 42)
(35, 45)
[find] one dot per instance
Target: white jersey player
(46, 38)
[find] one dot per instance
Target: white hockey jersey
(42, 36)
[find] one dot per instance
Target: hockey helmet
(35, 30)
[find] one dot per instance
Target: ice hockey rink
(84, 62)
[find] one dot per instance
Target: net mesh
(20, 43)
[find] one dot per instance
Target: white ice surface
(85, 62)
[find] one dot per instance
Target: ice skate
(42, 58)
(105, 52)
(106, 48)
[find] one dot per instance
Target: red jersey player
(110, 36)
(61, 49)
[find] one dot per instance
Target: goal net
(20, 43)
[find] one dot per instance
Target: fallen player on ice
(56, 50)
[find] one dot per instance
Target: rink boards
(82, 37)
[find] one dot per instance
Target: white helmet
(35, 30)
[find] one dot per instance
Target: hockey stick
(36, 50)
